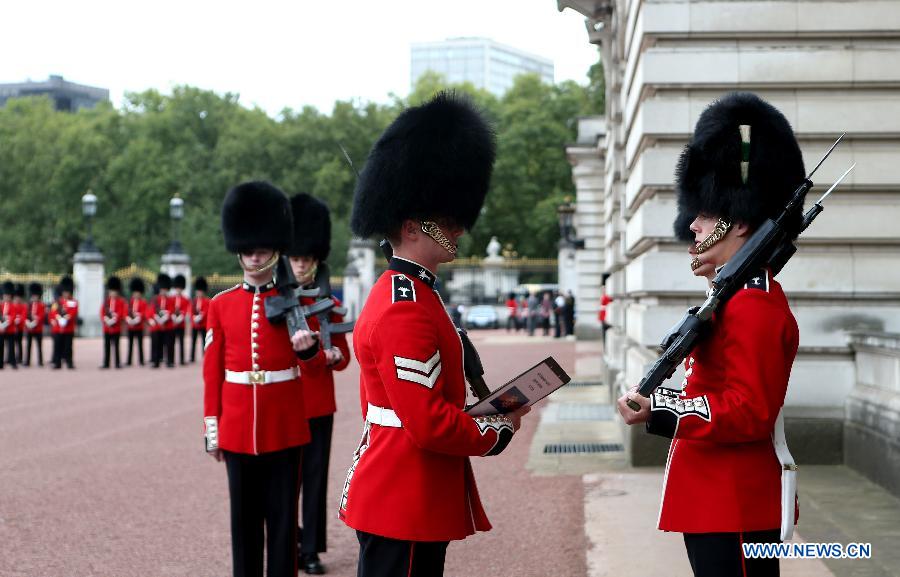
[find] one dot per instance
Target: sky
(275, 54)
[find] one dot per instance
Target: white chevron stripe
(428, 381)
(415, 365)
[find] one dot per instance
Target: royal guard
(254, 413)
(21, 313)
(8, 315)
(63, 320)
(199, 310)
(181, 309)
(113, 313)
(136, 319)
(410, 488)
(723, 481)
(312, 243)
(34, 323)
(162, 343)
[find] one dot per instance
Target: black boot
(310, 564)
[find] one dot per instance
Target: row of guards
(22, 324)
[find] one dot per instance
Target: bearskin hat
(114, 283)
(66, 284)
(200, 284)
(163, 281)
(256, 215)
(35, 289)
(136, 285)
(8, 288)
(20, 290)
(312, 227)
(179, 281)
(434, 160)
(710, 179)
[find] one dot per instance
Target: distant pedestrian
(545, 312)
(570, 314)
(522, 314)
(534, 313)
(512, 320)
(559, 316)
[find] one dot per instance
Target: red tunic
(34, 319)
(414, 481)
(8, 315)
(21, 314)
(199, 313)
(722, 473)
(251, 418)
(163, 309)
(112, 315)
(63, 316)
(137, 315)
(318, 377)
(181, 309)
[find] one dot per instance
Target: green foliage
(198, 143)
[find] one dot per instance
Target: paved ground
(103, 473)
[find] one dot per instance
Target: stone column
(88, 275)
(362, 255)
(352, 299)
(175, 263)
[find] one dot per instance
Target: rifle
(286, 307)
(326, 327)
(770, 246)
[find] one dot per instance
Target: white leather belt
(382, 416)
(261, 377)
(788, 478)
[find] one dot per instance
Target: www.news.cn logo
(808, 550)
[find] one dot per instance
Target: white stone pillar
(88, 275)
(567, 270)
(362, 255)
(176, 263)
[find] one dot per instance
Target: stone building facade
(831, 67)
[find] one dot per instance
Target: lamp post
(88, 210)
(566, 215)
(176, 213)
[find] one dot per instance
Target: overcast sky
(275, 54)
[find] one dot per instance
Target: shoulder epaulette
(758, 281)
(402, 288)
(226, 291)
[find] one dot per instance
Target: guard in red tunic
(34, 323)
(136, 319)
(199, 310)
(63, 320)
(253, 400)
(729, 475)
(310, 249)
(410, 489)
(21, 313)
(162, 342)
(8, 315)
(112, 314)
(181, 309)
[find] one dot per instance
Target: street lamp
(176, 213)
(566, 214)
(88, 210)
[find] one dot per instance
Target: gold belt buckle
(257, 377)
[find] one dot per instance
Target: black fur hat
(709, 177)
(200, 284)
(66, 284)
(137, 285)
(434, 160)
(20, 290)
(312, 227)
(114, 283)
(256, 215)
(179, 281)
(35, 289)
(8, 288)
(164, 281)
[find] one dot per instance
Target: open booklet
(526, 389)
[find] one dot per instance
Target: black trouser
(168, 341)
(178, 336)
(721, 555)
(263, 490)
(40, 350)
(8, 342)
(314, 484)
(19, 337)
(111, 341)
(62, 349)
(384, 557)
(197, 333)
(155, 348)
(136, 335)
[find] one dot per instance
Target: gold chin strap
(310, 275)
(264, 266)
(431, 228)
(718, 233)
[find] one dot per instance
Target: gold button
(255, 335)
(254, 325)
(255, 367)
(255, 355)
(255, 316)
(255, 345)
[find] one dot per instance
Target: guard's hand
(516, 416)
(217, 454)
(333, 356)
(629, 415)
(303, 340)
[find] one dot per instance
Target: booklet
(526, 389)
